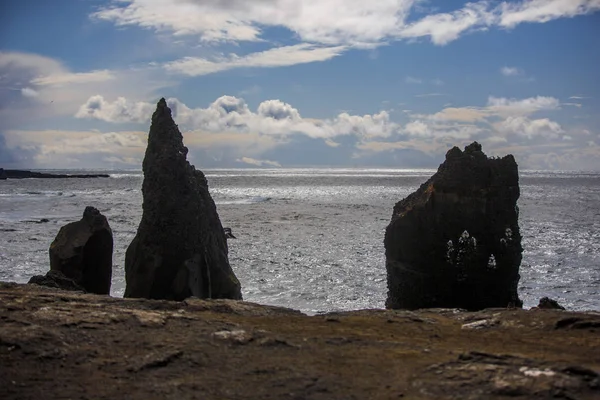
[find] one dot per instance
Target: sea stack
(82, 251)
(455, 242)
(180, 249)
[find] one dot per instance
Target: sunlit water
(312, 239)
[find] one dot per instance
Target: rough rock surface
(56, 279)
(456, 242)
(83, 251)
(180, 249)
(61, 345)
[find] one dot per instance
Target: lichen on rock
(180, 249)
(456, 242)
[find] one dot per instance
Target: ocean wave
(129, 175)
(249, 200)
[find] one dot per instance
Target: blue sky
(388, 83)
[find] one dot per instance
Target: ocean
(312, 239)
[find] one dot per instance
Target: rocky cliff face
(180, 249)
(82, 252)
(456, 242)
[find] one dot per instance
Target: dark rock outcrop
(83, 250)
(549, 304)
(56, 279)
(180, 249)
(3, 174)
(22, 174)
(456, 242)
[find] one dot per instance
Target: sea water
(312, 239)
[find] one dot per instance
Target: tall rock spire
(180, 249)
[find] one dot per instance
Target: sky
(300, 83)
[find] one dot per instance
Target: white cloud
(70, 77)
(503, 106)
(355, 23)
(331, 143)
(445, 27)
(258, 163)
(510, 71)
(428, 129)
(413, 80)
(512, 14)
(64, 148)
(417, 81)
(29, 92)
(530, 128)
(332, 22)
(430, 95)
(578, 97)
(60, 91)
(228, 130)
(231, 114)
(275, 57)
(118, 111)
(463, 114)
(277, 109)
(496, 107)
(418, 129)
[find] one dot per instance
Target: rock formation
(456, 242)
(83, 250)
(549, 304)
(3, 175)
(56, 279)
(180, 249)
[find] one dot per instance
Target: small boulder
(56, 279)
(83, 251)
(549, 304)
(456, 242)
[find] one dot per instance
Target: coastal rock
(3, 176)
(180, 249)
(56, 279)
(83, 250)
(549, 304)
(456, 241)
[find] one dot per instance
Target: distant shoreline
(24, 174)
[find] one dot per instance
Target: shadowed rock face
(56, 279)
(82, 251)
(456, 242)
(180, 249)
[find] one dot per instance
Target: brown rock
(456, 242)
(180, 249)
(66, 345)
(82, 251)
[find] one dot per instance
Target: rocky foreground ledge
(59, 344)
